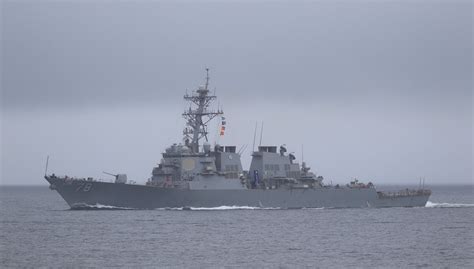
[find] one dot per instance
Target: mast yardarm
(198, 115)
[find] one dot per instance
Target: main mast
(198, 115)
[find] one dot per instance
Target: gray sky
(381, 91)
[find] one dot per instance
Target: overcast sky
(381, 91)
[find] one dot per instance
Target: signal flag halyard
(223, 123)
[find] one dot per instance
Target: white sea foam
(232, 208)
(225, 208)
(105, 207)
(99, 206)
(220, 208)
(447, 205)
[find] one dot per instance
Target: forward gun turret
(119, 178)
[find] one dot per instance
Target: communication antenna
(261, 134)
(254, 136)
(207, 77)
(46, 168)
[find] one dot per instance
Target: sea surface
(37, 229)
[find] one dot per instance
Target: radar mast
(198, 115)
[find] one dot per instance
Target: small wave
(447, 205)
(98, 207)
(221, 208)
(227, 208)
(217, 208)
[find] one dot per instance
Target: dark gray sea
(38, 230)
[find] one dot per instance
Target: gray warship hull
(80, 194)
(198, 175)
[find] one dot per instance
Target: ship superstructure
(193, 165)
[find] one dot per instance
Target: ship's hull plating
(84, 194)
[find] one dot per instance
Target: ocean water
(38, 230)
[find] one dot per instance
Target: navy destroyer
(196, 174)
